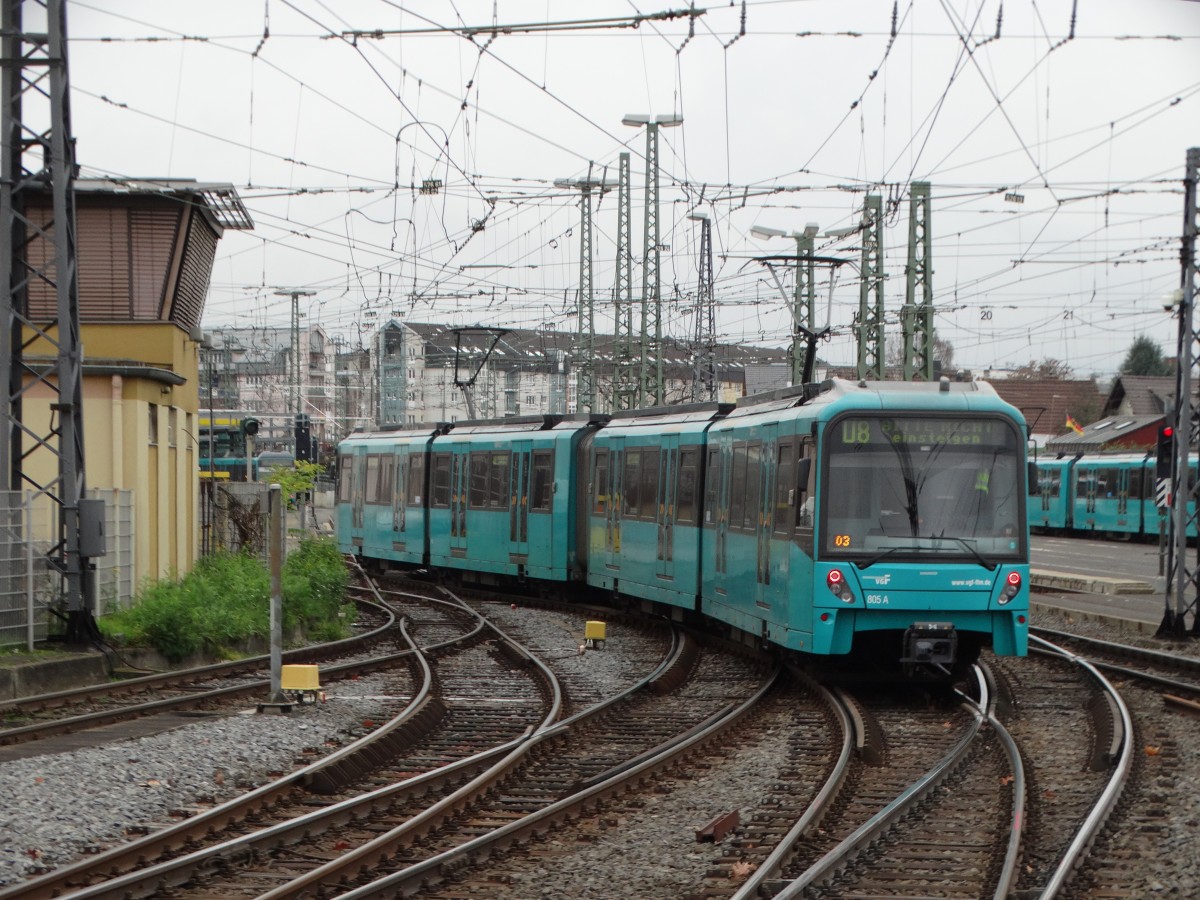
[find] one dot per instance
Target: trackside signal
(1166, 450)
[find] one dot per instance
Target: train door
(459, 483)
(1122, 494)
(762, 528)
(612, 514)
(399, 495)
(717, 494)
(360, 481)
(668, 466)
(1085, 496)
(518, 510)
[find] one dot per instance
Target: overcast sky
(327, 135)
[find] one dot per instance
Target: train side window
(387, 468)
(649, 483)
(753, 486)
(498, 465)
(1081, 482)
(373, 466)
(712, 485)
(543, 480)
(1106, 484)
(600, 486)
(632, 481)
(737, 487)
(807, 499)
(441, 480)
(685, 493)
(786, 490)
(477, 493)
(345, 482)
(416, 479)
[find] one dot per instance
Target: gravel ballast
(57, 808)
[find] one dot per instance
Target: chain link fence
(29, 585)
(234, 517)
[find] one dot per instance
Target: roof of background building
(1045, 404)
(1146, 395)
(1114, 432)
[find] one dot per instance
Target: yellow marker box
(300, 678)
(594, 631)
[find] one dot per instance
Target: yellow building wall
(139, 435)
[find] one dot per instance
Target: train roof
(679, 413)
(546, 422)
(930, 396)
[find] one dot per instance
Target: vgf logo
(880, 580)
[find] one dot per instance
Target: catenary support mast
(1182, 578)
(41, 349)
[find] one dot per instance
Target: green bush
(225, 600)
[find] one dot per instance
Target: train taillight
(1011, 588)
(838, 587)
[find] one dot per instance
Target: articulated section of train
(877, 522)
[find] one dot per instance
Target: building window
(153, 423)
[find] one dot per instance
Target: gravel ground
(56, 808)
(59, 807)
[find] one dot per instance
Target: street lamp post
(803, 305)
(295, 342)
(651, 288)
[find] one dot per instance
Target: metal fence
(115, 585)
(29, 585)
(234, 517)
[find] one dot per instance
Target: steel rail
(380, 847)
(862, 837)
(198, 673)
(173, 872)
(126, 856)
(1011, 867)
(1107, 801)
(852, 738)
(151, 707)
(407, 881)
(1145, 654)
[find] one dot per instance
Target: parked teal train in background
(875, 522)
(1102, 496)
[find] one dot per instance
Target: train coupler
(930, 643)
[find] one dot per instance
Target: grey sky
(790, 123)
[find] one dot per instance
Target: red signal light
(1168, 431)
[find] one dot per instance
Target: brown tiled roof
(1146, 395)
(1046, 404)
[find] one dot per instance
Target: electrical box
(91, 529)
(594, 634)
(300, 678)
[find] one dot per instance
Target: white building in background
(408, 372)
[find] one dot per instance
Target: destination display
(924, 431)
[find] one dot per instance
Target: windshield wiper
(888, 552)
(988, 564)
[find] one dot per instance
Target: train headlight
(1011, 587)
(836, 582)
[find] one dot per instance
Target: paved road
(1105, 559)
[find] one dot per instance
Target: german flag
(1074, 426)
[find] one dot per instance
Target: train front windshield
(923, 487)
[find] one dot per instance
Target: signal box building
(144, 256)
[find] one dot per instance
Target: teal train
(877, 524)
(1114, 496)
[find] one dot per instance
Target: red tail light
(1012, 586)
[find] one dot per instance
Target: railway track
(1076, 733)
(371, 782)
(212, 688)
